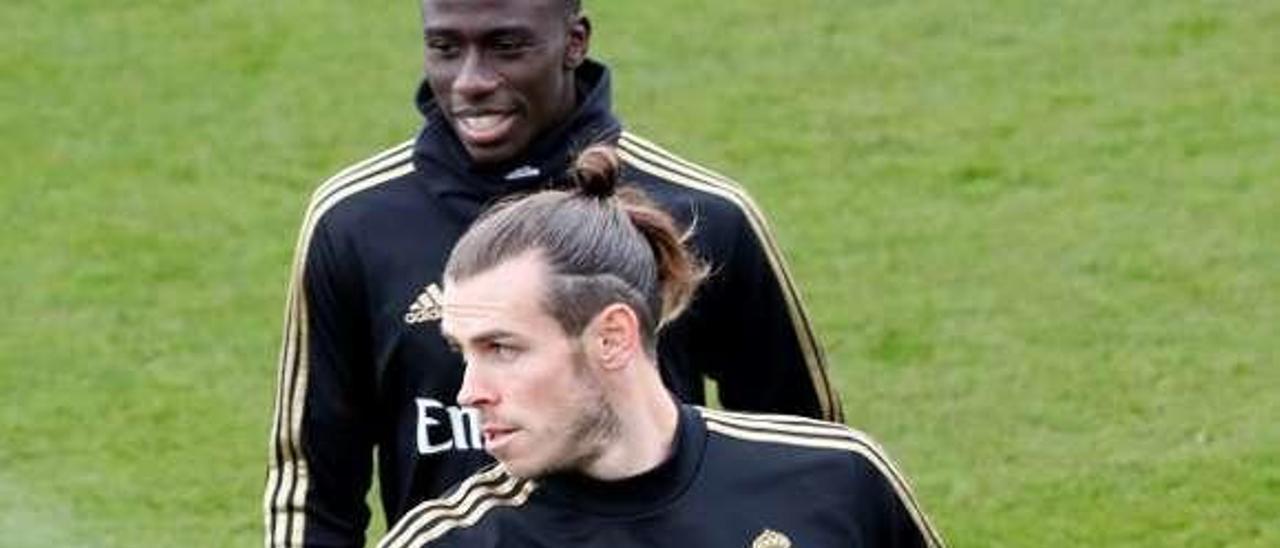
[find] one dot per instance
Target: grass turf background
(1038, 239)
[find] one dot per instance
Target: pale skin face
(538, 391)
(502, 70)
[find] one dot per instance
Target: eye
(504, 352)
(509, 46)
(442, 47)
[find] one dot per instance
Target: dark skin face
(502, 70)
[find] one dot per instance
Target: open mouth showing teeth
(486, 128)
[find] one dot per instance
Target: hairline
(548, 287)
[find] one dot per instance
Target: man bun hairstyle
(602, 243)
(595, 172)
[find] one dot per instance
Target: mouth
(480, 128)
(497, 436)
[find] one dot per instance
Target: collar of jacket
(642, 494)
(465, 188)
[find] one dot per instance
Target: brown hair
(602, 244)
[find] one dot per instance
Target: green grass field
(1038, 238)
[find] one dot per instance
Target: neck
(647, 417)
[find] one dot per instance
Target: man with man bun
(555, 302)
(508, 97)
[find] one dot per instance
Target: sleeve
(886, 513)
(320, 463)
(752, 334)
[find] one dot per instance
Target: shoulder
(837, 452)
(355, 189)
(718, 207)
(674, 180)
(466, 506)
(833, 450)
(788, 432)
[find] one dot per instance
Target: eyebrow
(483, 336)
(514, 30)
(493, 334)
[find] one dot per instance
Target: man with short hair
(554, 301)
(508, 97)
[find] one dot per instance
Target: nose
(475, 392)
(475, 77)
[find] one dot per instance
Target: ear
(615, 336)
(579, 41)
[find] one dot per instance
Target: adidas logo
(771, 539)
(523, 172)
(426, 308)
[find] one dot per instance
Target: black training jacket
(733, 480)
(363, 365)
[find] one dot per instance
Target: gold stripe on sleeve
(463, 508)
(284, 498)
(652, 159)
(815, 434)
(515, 498)
(487, 480)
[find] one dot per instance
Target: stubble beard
(592, 430)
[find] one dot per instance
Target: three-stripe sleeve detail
(803, 432)
(650, 158)
(284, 498)
(474, 497)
